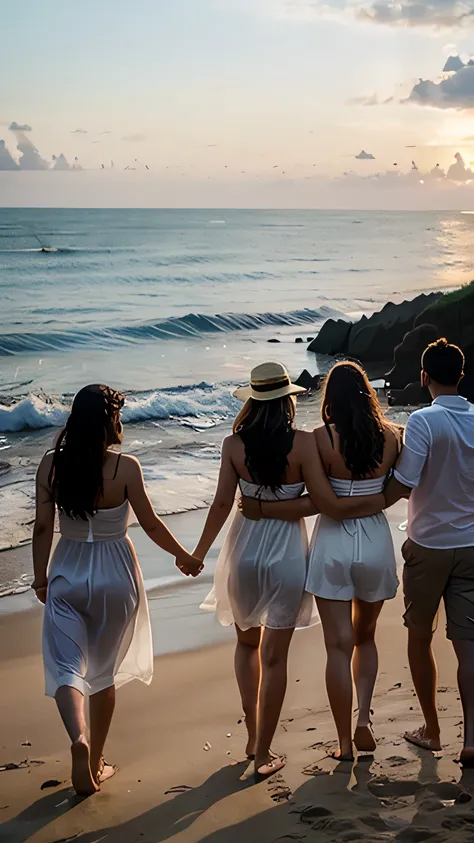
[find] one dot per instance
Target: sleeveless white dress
(262, 569)
(355, 557)
(96, 630)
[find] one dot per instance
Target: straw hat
(267, 382)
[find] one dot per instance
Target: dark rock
(308, 381)
(309, 339)
(453, 316)
(299, 339)
(273, 340)
(407, 356)
(332, 338)
(412, 395)
(376, 337)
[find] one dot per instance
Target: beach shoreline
(186, 732)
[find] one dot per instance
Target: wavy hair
(266, 429)
(76, 476)
(350, 403)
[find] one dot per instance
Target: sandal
(105, 772)
(417, 738)
(267, 770)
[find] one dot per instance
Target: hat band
(270, 387)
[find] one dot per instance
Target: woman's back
(293, 473)
(329, 446)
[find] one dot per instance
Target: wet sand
(185, 734)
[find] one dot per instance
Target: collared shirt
(437, 463)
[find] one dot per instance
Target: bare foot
(422, 739)
(364, 739)
(266, 768)
(82, 779)
(467, 756)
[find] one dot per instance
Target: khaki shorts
(431, 574)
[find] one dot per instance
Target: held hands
(189, 565)
(250, 508)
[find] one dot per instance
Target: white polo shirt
(437, 463)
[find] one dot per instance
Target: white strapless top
(286, 492)
(348, 488)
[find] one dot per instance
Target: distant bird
(395, 164)
(146, 167)
(111, 165)
(411, 146)
(414, 166)
(95, 141)
(102, 166)
(275, 166)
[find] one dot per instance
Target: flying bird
(146, 167)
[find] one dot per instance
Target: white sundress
(355, 557)
(261, 571)
(96, 630)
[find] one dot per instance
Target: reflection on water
(454, 239)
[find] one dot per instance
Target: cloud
(134, 138)
(458, 174)
(365, 156)
(458, 171)
(452, 90)
(79, 132)
(19, 127)
(435, 14)
(411, 13)
(30, 159)
(7, 162)
(60, 163)
(372, 99)
(453, 64)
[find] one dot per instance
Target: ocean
(174, 308)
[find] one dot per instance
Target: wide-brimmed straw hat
(267, 382)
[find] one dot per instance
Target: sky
(237, 103)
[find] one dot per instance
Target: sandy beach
(180, 748)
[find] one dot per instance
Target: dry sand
(185, 732)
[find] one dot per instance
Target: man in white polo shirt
(436, 469)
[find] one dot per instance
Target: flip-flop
(267, 770)
(106, 771)
(417, 739)
(364, 740)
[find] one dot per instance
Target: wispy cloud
(435, 14)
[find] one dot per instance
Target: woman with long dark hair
(260, 577)
(352, 567)
(96, 632)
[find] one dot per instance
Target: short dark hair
(443, 362)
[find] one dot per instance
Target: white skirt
(96, 630)
(352, 559)
(260, 576)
